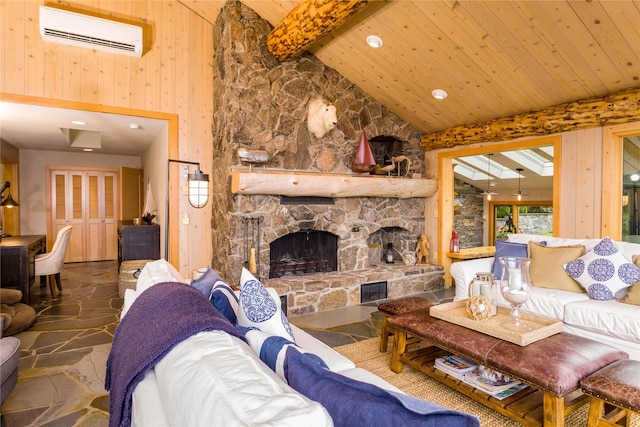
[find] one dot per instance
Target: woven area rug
(365, 354)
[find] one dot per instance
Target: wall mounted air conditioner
(75, 29)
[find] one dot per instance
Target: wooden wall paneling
(53, 70)
(192, 245)
(166, 39)
(182, 48)
(569, 183)
(122, 65)
(14, 54)
(153, 58)
(33, 63)
(90, 77)
(138, 65)
(598, 184)
(106, 63)
(586, 184)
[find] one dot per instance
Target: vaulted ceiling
(494, 58)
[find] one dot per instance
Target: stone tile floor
(63, 361)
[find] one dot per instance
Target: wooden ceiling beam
(613, 109)
(308, 22)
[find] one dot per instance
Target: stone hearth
(325, 291)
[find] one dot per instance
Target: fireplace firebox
(305, 251)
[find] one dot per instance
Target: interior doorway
(446, 188)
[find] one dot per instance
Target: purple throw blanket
(160, 318)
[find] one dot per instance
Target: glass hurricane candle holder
(515, 285)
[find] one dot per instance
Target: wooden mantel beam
(618, 108)
(308, 22)
(296, 184)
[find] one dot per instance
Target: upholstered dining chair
(50, 264)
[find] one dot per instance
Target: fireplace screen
(306, 251)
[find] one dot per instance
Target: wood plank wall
(175, 75)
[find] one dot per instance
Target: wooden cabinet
(138, 241)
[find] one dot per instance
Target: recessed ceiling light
(79, 122)
(374, 41)
(439, 94)
(87, 149)
(134, 126)
(635, 177)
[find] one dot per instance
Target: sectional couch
(613, 319)
(254, 368)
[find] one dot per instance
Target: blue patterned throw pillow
(225, 301)
(272, 349)
(603, 271)
(259, 310)
(205, 282)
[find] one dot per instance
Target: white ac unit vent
(75, 29)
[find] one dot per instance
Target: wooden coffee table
(552, 367)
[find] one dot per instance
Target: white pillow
(257, 309)
(157, 272)
(603, 271)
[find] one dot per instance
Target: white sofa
(213, 378)
(611, 322)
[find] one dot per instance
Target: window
(520, 217)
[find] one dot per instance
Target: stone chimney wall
(260, 103)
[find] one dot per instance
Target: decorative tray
(456, 312)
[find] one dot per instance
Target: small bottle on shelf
(455, 242)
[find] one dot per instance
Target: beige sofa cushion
(633, 293)
(547, 266)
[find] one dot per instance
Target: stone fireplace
(261, 103)
(303, 252)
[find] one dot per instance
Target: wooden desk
(473, 253)
(17, 262)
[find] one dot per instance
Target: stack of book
(493, 383)
(478, 376)
(455, 366)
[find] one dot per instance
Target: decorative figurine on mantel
(422, 249)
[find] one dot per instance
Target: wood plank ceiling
(494, 58)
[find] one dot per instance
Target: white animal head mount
(321, 117)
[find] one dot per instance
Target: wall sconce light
(198, 191)
(7, 202)
(198, 188)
